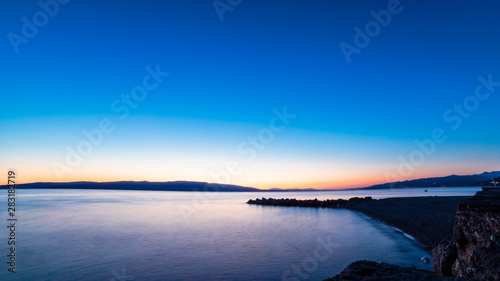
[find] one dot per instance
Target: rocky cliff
(475, 253)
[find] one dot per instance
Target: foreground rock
(475, 253)
(444, 256)
(329, 203)
(371, 271)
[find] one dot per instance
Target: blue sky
(353, 120)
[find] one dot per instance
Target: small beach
(428, 219)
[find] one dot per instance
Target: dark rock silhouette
(314, 203)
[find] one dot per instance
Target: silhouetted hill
(449, 181)
(138, 185)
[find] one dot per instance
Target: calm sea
(154, 235)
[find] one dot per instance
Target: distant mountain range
(138, 185)
(450, 181)
(146, 185)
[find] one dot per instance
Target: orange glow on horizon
(333, 184)
(265, 182)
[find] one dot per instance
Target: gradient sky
(355, 122)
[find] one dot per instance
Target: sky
(268, 94)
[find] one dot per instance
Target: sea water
(159, 235)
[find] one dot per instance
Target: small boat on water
(491, 188)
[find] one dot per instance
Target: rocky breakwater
(475, 251)
(315, 203)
